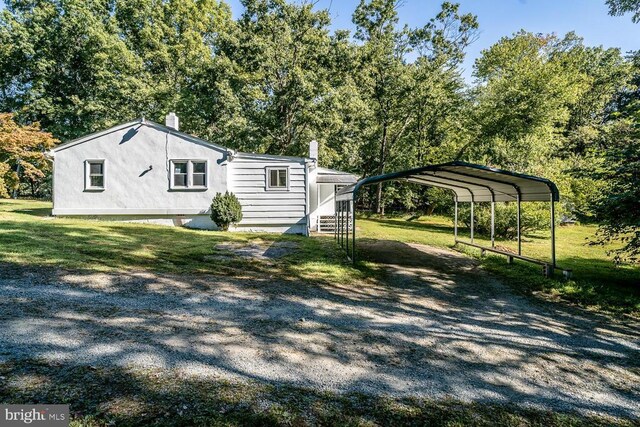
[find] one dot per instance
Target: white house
(144, 171)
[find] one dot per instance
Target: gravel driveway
(438, 326)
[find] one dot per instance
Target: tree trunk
(15, 191)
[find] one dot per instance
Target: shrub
(226, 210)
(533, 217)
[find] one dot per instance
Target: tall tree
(403, 94)
(384, 80)
(283, 52)
(178, 43)
(524, 100)
(65, 66)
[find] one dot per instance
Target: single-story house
(148, 172)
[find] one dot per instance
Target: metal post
(518, 225)
(335, 220)
(353, 225)
(455, 219)
(493, 224)
(347, 228)
(341, 222)
(553, 232)
(472, 220)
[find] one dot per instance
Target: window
(94, 175)
(180, 174)
(277, 178)
(199, 174)
(188, 174)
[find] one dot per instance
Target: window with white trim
(277, 178)
(94, 175)
(189, 174)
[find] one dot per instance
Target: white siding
(269, 210)
(137, 181)
(131, 186)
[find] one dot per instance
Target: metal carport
(469, 183)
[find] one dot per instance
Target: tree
(23, 154)
(403, 94)
(523, 100)
(618, 206)
(620, 7)
(180, 46)
(65, 66)
(384, 81)
(281, 53)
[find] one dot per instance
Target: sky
(500, 18)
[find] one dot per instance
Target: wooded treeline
(380, 98)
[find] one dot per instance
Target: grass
(118, 396)
(596, 282)
(29, 237)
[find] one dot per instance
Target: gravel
(437, 327)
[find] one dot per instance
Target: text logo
(34, 415)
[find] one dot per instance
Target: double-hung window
(277, 178)
(94, 174)
(188, 174)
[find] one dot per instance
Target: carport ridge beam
(468, 182)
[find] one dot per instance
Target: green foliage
(225, 210)
(618, 205)
(23, 158)
(534, 217)
(620, 7)
(413, 107)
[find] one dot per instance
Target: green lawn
(597, 283)
(30, 237)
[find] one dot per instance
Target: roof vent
(172, 121)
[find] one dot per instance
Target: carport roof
(469, 182)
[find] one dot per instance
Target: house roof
(469, 182)
(144, 122)
(140, 122)
(332, 176)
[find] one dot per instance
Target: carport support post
(342, 224)
(335, 222)
(455, 219)
(472, 221)
(353, 231)
(493, 224)
(346, 231)
(518, 225)
(553, 233)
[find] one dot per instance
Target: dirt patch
(255, 250)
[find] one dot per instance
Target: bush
(533, 217)
(226, 210)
